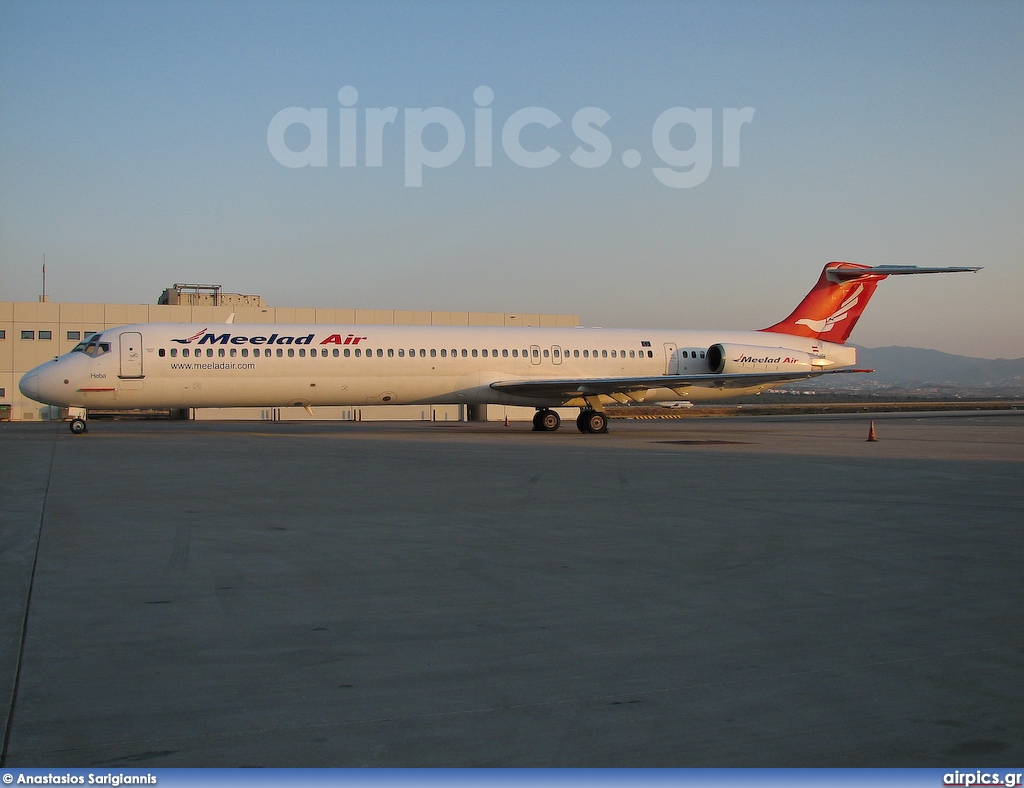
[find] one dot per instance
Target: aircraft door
(131, 354)
(671, 359)
(535, 354)
(556, 354)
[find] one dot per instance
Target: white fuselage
(174, 365)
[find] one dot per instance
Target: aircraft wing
(571, 388)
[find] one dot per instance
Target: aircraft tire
(78, 426)
(547, 420)
(594, 422)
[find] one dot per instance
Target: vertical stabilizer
(832, 308)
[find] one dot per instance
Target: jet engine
(733, 359)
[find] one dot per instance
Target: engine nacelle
(732, 359)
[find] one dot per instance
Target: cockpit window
(93, 348)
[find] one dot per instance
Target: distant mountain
(916, 368)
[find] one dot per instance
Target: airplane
(181, 365)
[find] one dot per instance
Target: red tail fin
(832, 308)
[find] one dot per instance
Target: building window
(3, 392)
(3, 335)
(28, 334)
(88, 334)
(46, 335)
(75, 335)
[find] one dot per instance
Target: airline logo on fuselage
(743, 359)
(204, 338)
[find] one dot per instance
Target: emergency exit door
(131, 354)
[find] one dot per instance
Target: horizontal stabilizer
(846, 274)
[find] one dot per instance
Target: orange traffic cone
(872, 438)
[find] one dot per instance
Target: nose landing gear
(77, 425)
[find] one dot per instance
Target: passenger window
(484, 352)
(291, 352)
(302, 352)
(444, 353)
(348, 352)
(220, 352)
(359, 353)
(702, 354)
(433, 352)
(464, 353)
(161, 352)
(423, 352)
(632, 354)
(233, 353)
(504, 353)
(515, 353)
(391, 353)
(575, 354)
(335, 352)
(174, 352)
(245, 352)
(280, 352)
(586, 354)
(401, 352)
(474, 353)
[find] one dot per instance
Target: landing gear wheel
(78, 426)
(593, 422)
(546, 421)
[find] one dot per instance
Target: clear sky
(135, 152)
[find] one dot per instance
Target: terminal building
(34, 332)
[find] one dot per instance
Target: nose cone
(29, 385)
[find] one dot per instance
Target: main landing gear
(592, 421)
(546, 420)
(589, 420)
